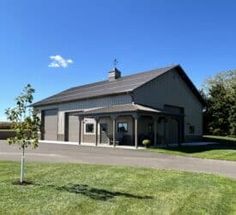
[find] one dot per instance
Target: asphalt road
(114, 156)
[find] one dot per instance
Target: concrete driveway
(114, 156)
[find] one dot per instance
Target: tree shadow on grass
(96, 193)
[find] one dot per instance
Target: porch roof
(124, 108)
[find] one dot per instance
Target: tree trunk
(22, 165)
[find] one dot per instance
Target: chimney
(114, 74)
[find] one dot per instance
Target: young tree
(25, 123)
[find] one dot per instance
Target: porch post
(155, 130)
(180, 128)
(165, 131)
(96, 131)
(136, 131)
(80, 127)
(114, 130)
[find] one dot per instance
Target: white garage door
(72, 128)
(50, 124)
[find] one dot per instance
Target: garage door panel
(72, 128)
(50, 124)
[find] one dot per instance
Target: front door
(104, 133)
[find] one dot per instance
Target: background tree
(220, 96)
(218, 110)
(25, 123)
(206, 116)
(232, 111)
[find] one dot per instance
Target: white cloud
(59, 61)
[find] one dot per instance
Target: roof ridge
(121, 78)
(165, 69)
(151, 71)
(124, 84)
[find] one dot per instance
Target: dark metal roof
(121, 85)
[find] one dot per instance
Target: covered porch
(129, 125)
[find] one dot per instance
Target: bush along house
(161, 105)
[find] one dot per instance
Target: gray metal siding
(170, 89)
(84, 104)
(172, 131)
(96, 102)
(90, 103)
(50, 124)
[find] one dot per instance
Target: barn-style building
(161, 105)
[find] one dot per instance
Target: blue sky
(141, 34)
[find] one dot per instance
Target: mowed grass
(220, 139)
(223, 149)
(216, 151)
(95, 189)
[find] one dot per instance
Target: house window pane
(89, 128)
(122, 127)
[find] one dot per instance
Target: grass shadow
(24, 183)
(201, 148)
(96, 193)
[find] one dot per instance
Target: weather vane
(115, 62)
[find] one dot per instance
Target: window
(122, 127)
(89, 128)
(103, 127)
(191, 129)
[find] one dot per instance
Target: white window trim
(123, 122)
(89, 121)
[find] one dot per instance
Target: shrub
(146, 142)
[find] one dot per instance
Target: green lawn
(220, 139)
(209, 151)
(94, 189)
(224, 149)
